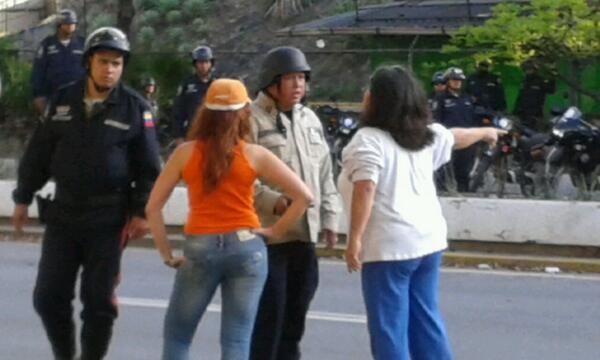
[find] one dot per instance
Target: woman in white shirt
(397, 229)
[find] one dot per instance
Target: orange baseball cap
(226, 95)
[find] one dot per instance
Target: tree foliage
(547, 33)
(16, 87)
(174, 18)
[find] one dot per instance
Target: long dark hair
(221, 131)
(398, 104)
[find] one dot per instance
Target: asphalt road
(490, 315)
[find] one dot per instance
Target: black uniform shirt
(453, 110)
(190, 95)
(114, 151)
(532, 95)
(487, 91)
(56, 65)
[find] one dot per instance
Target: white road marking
(216, 308)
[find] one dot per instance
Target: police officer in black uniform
(454, 109)
(439, 86)
(58, 60)
(532, 97)
(97, 143)
(149, 90)
(191, 91)
(486, 89)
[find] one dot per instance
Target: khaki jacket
(305, 151)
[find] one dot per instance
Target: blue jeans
(240, 267)
(403, 316)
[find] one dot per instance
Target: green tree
(561, 37)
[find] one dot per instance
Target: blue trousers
(403, 316)
(240, 268)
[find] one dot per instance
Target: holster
(43, 203)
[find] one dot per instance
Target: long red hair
(220, 131)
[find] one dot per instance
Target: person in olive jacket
(294, 134)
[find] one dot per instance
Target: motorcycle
(339, 127)
(517, 158)
(575, 152)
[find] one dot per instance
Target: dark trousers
(65, 249)
(291, 284)
(533, 121)
(462, 163)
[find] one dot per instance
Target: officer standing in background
(486, 89)
(529, 106)
(293, 133)
(439, 86)
(149, 91)
(454, 109)
(191, 91)
(58, 60)
(97, 143)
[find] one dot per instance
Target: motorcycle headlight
(347, 122)
(558, 133)
(505, 124)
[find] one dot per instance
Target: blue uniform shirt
(112, 151)
(453, 110)
(190, 96)
(56, 65)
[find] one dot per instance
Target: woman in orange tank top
(225, 244)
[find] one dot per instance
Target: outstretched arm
(464, 138)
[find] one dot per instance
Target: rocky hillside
(240, 35)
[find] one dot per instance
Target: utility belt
(84, 201)
(67, 203)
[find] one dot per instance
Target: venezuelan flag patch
(148, 119)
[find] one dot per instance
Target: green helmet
(148, 81)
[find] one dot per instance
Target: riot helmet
(109, 38)
(202, 53)
(438, 78)
(454, 73)
(280, 61)
(66, 16)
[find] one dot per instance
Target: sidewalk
(461, 253)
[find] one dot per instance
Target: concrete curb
(479, 260)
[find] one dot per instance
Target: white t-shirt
(406, 220)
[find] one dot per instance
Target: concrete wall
(18, 15)
(498, 220)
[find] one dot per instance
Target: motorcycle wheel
(583, 185)
(501, 175)
(477, 179)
